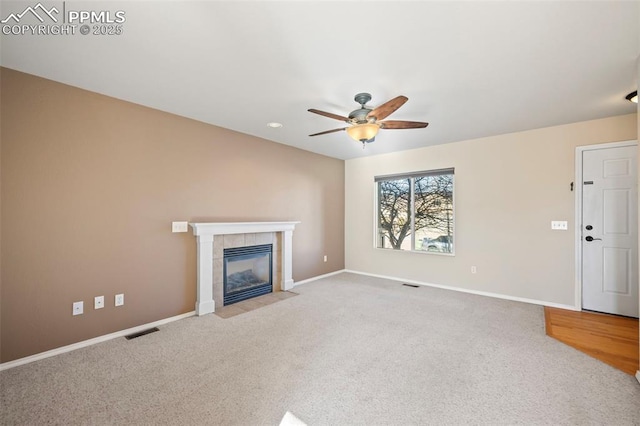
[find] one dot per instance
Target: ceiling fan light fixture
(363, 132)
(364, 123)
(633, 97)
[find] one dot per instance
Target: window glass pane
(433, 210)
(394, 214)
(415, 211)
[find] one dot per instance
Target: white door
(610, 230)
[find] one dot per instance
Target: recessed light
(633, 97)
(274, 125)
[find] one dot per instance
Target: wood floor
(611, 339)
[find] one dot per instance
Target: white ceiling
(471, 69)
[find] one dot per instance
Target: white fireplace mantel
(205, 233)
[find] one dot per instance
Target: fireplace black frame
(244, 253)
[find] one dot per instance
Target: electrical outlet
(179, 226)
(559, 225)
(325, 257)
(474, 269)
(119, 299)
(98, 302)
(78, 308)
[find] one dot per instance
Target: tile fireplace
(214, 240)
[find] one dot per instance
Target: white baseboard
(638, 376)
(465, 290)
(319, 277)
(85, 343)
(122, 333)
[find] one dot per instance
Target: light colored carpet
(349, 350)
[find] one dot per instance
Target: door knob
(590, 238)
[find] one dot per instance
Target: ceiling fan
(365, 122)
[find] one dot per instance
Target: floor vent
(141, 333)
(411, 285)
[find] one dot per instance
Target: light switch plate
(179, 226)
(559, 225)
(78, 308)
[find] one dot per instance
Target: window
(415, 211)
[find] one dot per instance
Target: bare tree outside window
(417, 208)
(394, 213)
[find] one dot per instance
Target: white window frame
(433, 172)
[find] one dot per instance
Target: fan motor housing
(359, 115)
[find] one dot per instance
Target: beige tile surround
(244, 240)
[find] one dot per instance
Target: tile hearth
(253, 304)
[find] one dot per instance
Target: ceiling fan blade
(384, 110)
(328, 114)
(328, 131)
(395, 124)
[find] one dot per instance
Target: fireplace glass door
(247, 272)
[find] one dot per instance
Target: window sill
(436, 253)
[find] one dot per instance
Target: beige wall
(90, 185)
(638, 129)
(507, 191)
